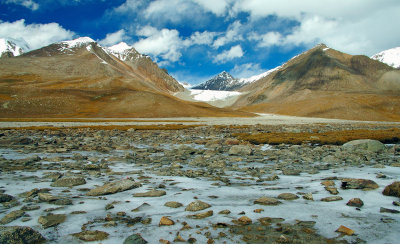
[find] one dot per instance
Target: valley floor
(196, 184)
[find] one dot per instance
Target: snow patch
(10, 46)
(78, 42)
(211, 95)
(258, 77)
(390, 57)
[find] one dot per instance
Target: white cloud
(130, 5)
(200, 38)
(175, 11)
(234, 52)
(164, 43)
(246, 70)
(268, 39)
(218, 7)
(233, 33)
(36, 35)
(26, 3)
(114, 38)
(356, 27)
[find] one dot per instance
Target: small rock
(332, 199)
(388, 210)
(267, 201)
(135, 239)
(355, 202)
(308, 196)
(332, 190)
(197, 206)
(12, 216)
(113, 187)
(392, 189)
(173, 204)
(244, 220)
(166, 221)
(359, 184)
(51, 220)
(240, 150)
(291, 172)
(345, 230)
(47, 197)
(226, 211)
(201, 215)
(268, 221)
(69, 182)
(288, 196)
(396, 203)
(5, 197)
(152, 193)
(20, 234)
(258, 210)
(91, 235)
(328, 183)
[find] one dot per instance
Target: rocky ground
(198, 185)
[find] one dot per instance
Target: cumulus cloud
(234, 52)
(130, 5)
(216, 7)
(36, 35)
(114, 38)
(233, 33)
(246, 70)
(200, 38)
(26, 3)
(162, 43)
(355, 26)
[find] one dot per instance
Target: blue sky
(197, 39)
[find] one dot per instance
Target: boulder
(69, 182)
(392, 189)
(166, 221)
(113, 187)
(12, 216)
(288, 196)
(51, 220)
(201, 215)
(359, 184)
(91, 235)
(20, 234)
(267, 201)
(197, 206)
(355, 202)
(152, 193)
(173, 204)
(135, 239)
(5, 197)
(365, 144)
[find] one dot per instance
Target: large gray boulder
(365, 144)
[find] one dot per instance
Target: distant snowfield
(216, 98)
(210, 95)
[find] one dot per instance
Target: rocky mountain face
(323, 82)
(221, 82)
(390, 57)
(80, 78)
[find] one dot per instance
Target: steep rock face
(323, 82)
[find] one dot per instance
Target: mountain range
(80, 78)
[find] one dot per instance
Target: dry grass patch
(90, 120)
(331, 137)
(109, 127)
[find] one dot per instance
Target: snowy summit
(390, 57)
(9, 48)
(78, 42)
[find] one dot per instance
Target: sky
(197, 39)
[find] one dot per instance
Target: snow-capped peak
(390, 57)
(120, 47)
(78, 42)
(258, 77)
(10, 47)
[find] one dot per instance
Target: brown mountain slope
(88, 81)
(323, 82)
